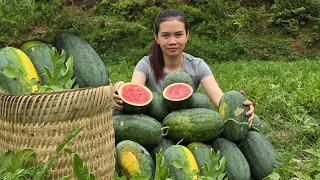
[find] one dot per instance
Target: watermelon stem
(230, 119)
(166, 132)
(179, 141)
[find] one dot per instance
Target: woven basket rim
(54, 91)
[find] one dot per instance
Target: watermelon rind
(130, 107)
(178, 103)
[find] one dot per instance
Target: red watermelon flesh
(178, 91)
(136, 94)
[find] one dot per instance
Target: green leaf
(33, 82)
(217, 168)
(302, 176)
(139, 177)
(178, 164)
(43, 170)
(61, 77)
(116, 176)
(313, 152)
(162, 170)
(8, 176)
(19, 76)
(39, 172)
(66, 178)
(9, 72)
(5, 160)
(47, 73)
(273, 176)
(70, 151)
(71, 135)
(80, 169)
(22, 159)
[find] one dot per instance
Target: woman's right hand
(116, 97)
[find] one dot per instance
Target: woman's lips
(172, 49)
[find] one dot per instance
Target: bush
(211, 51)
(250, 19)
(271, 49)
(16, 17)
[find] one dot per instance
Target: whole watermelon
(89, 69)
(233, 112)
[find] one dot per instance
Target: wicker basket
(40, 121)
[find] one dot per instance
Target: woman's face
(172, 37)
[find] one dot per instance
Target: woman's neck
(173, 63)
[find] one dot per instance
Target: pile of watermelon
(68, 62)
(181, 125)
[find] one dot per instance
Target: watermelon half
(136, 97)
(178, 95)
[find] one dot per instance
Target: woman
(166, 55)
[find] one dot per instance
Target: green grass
(285, 94)
(286, 97)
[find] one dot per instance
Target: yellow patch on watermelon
(238, 111)
(130, 162)
(28, 67)
(222, 107)
(191, 161)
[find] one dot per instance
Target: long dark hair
(155, 53)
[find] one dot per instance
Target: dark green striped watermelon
(201, 152)
(177, 77)
(181, 163)
(140, 128)
(260, 154)
(196, 124)
(40, 53)
(116, 112)
(24, 71)
(158, 107)
(236, 164)
(132, 159)
(89, 69)
(199, 100)
(164, 144)
(233, 112)
(256, 124)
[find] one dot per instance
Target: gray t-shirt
(195, 67)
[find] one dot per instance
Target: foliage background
(122, 30)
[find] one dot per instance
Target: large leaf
(217, 168)
(80, 169)
(22, 159)
(162, 170)
(61, 77)
(5, 160)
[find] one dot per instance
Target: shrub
(250, 19)
(232, 49)
(16, 17)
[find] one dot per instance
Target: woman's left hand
(251, 109)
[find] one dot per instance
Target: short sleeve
(143, 66)
(204, 70)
